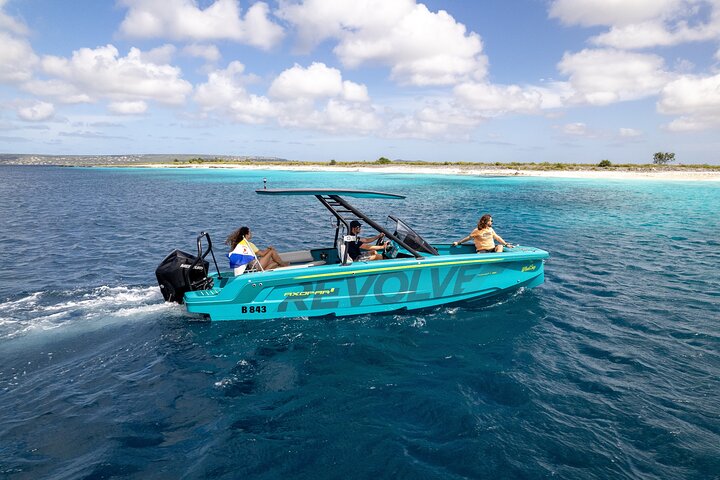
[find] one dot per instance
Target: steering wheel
(391, 251)
(379, 241)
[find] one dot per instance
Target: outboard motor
(177, 273)
(181, 272)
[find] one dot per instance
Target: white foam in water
(106, 297)
(9, 307)
(102, 306)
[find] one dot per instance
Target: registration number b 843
(253, 309)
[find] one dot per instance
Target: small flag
(240, 257)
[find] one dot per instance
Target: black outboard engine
(181, 272)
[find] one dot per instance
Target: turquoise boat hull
(457, 274)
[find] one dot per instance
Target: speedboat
(324, 281)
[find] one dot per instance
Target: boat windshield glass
(411, 237)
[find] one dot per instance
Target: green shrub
(662, 158)
(605, 163)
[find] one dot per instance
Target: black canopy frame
(331, 202)
(341, 210)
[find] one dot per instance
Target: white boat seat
(341, 248)
(299, 256)
(301, 265)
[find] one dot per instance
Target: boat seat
(301, 265)
(299, 256)
(341, 251)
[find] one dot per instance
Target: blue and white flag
(240, 257)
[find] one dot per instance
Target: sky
(571, 81)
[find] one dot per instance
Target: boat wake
(80, 309)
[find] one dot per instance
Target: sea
(609, 370)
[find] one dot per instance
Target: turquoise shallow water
(609, 370)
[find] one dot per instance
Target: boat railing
(205, 282)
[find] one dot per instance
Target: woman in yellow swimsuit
(268, 257)
(484, 237)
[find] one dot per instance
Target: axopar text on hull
(325, 281)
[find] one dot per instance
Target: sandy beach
(650, 173)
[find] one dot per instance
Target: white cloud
(225, 93)
(315, 98)
(36, 112)
(345, 116)
(61, 91)
(499, 99)
(577, 129)
(355, 92)
(589, 13)
(395, 34)
(629, 133)
(336, 116)
(102, 73)
(208, 52)
(253, 109)
(493, 100)
(128, 108)
(185, 20)
(637, 35)
(652, 34)
(316, 81)
(222, 87)
(604, 76)
(691, 94)
(692, 124)
(643, 23)
(435, 120)
(17, 59)
(10, 24)
(696, 99)
(159, 55)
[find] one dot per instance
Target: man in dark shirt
(360, 249)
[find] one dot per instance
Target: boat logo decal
(310, 292)
(399, 268)
(529, 268)
(391, 288)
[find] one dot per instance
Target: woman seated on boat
(484, 237)
(360, 250)
(266, 258)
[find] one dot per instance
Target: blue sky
(498, 81)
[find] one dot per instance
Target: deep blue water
(611, 369)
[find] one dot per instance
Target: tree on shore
(662, 158)
(605, 163)
(383, 161)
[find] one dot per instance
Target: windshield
(411, 237)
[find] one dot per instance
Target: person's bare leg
(275, 256)
(266, 262)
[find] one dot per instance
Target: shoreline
(646, 174)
